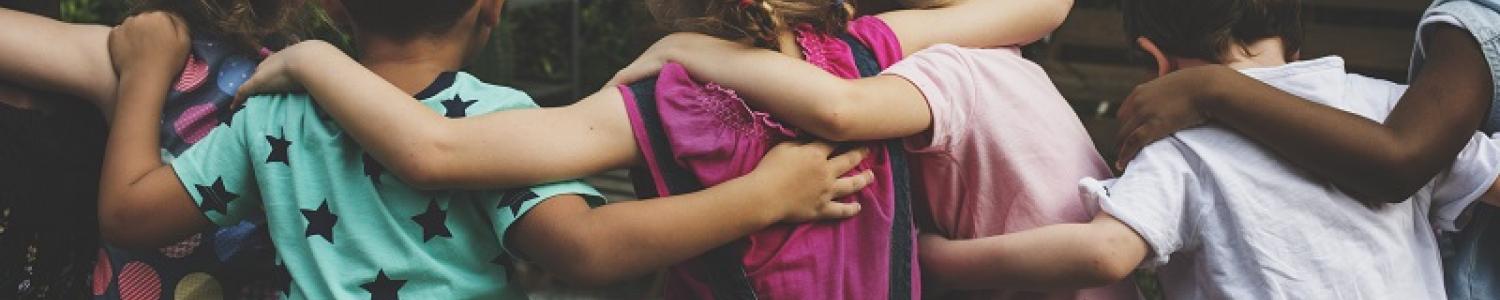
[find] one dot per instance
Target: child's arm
(54, 56)
(621, 240)
(1055, 257)
(501, 149)
(977, 23)
(1380, 163)
(141, 202)
(799, 93)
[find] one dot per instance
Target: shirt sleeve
(1473, 172)
(217, 174)
(939, 72)
(1153, 198)
(515, 203)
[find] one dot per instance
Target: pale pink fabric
(1005, 151)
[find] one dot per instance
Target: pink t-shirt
(695, 134)
(1004, 154)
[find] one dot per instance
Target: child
(1455, 78)
(344, 230)
(1002, 152)
(49, 170)
(1219, 217)
(227, 38)
(703, 136)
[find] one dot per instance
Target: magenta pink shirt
(1004, 154)
(712, 134)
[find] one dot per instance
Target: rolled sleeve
(1152, 198)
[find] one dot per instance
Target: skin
(593, 135)
(143, 204)
(1067, 256)
(1380, 163)
(74, 59)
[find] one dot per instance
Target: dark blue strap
(901, 224)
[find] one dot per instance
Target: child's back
(1227, 218)
(344, 228)
(1003, 153)
(704, 134)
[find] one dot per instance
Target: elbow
(1399, 177)
(423, 165)
(1105, 263)
(832, 120)
(1102, 269)
(587, 270)
(115, 224)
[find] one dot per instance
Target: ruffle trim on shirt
(729, 108)
(818, 49)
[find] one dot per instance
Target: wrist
(752, 193)
(1210, 94)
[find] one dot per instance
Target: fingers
(845, 162)
(838, 210)
(1133, 143)
(246, 89)
(851, 184)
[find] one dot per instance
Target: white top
(1226, 219)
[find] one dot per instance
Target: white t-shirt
(1227, 219)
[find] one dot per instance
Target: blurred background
(560, 50)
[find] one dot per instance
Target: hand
(1164, 106)
(646, 65)
(651, 61)
(151, 43)
(802, 181)
(274, 74)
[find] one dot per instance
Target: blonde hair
(249, 24)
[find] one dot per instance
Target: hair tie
(838, 3)
(746, 3)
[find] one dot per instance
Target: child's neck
(1264, 53)
(411, 64)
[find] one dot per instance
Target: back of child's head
(1206, 29)
(760, 21)
(925, 4)
(405, 19)
(249, 24)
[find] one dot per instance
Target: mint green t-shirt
(345, 228)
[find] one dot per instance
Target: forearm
(501, 149)
(627, 239)
(50, 55)
(978, 23)
(806, 96)
(133, 167)
(1055, 257)
(1388, 163)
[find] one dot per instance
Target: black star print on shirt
(215, 196)
(227, 116)
(278, 150)
(383, 287)
(433, 222)
(373, 168)
(515, 198)
(457, 107)
(320, 222)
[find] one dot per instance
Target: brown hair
(761, 21)
(406, 18)
(250, 24)
(1204, 29)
